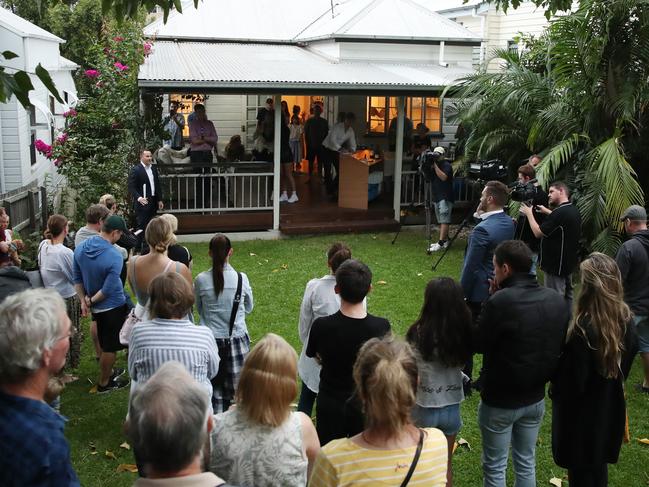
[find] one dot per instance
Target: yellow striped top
(344, 463)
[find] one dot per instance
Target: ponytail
(219, 248)
(55, 226)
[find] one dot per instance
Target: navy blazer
(138, 178)
(478, 261)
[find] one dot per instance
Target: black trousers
(330, 158)
(143, 215)
(592, 476)
(475, 308)
(311, 154)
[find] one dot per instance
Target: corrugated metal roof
(385, 19)
(283, 68)
(24, 28)
(443, 5)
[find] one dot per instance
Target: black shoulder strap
(235, 303)
(413, 465)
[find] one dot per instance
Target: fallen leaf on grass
(284, 266)
(420, 274)
(644, 441)
(382, 282)
(555, 481)
(252, 254)
(110, 454)
(127, 467)
(93, 390)
(93, 448)
(463, 442)
(275, 270)
(125, 445)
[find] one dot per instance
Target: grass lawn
(278, 271)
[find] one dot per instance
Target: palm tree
(585, 108)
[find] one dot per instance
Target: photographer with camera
(559, 234)
(439, 174)
(528, 191)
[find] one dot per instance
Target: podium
(352, 181)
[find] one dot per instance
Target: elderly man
(168, 424)
(34, 339)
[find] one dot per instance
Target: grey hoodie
(84, 233)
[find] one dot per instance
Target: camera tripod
(465, 221)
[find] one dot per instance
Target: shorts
(447, 418)
(642, 328)
(443, 211)
(109, 323)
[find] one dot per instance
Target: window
(186, 104)
(32, 148)
(381, 110)
(52, 105)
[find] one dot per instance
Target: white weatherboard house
(377, 58)
(20, 163)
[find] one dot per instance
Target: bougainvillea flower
(120, 66)
(92, 73)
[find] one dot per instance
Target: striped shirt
(158, 341)
(344, 463)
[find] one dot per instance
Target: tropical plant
(584, 108)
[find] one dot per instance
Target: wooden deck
(313, 214)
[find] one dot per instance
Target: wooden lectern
(352, 181)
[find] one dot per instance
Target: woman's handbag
(35, 278)
(127, 328)
(413, 465)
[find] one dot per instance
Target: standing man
(633, 260)
(526, 173)
(174, 123)
(442, 186)
(97, 266)
(34, 340)
(341, 134)
(202, 135)
(521, 331)
(495, 226)
(144, 186)
(315, 130)
(559, 234)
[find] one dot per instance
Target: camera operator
(526, 176)
(440, 175)
(559, 234)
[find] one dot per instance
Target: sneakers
(293, 198)
(283, 197)
(438, 246)
(112, 385)
(117, 373)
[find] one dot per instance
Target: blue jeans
(446, 418)
(501, 427)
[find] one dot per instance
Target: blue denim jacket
(214, 312)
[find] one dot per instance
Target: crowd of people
(207, 407)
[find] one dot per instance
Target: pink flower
(42, 147)
(61, 139)
(92, 73)
(58, 162)
(120, 66)
(147, 48)
(70, 113)
(118, 38)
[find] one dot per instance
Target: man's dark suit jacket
(138, 178)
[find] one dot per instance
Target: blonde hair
(158, 234)
(172, 220)
(268, 382)
(107, 200)
(601, 304)
(386, 373)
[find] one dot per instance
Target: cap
(439, 150)
(634, 212)
(115, 222)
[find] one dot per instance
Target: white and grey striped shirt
(158, 341)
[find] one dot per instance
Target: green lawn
(278, 271)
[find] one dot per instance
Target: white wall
(10, 146)
(227, 112)
(420, 53)
(14, 43)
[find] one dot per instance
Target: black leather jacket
(520, 333)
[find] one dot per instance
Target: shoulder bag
(413, 465)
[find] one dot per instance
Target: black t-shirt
(337, 339)
(523, 229)
(443, 190)
(560, 244)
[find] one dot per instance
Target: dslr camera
(523, 192)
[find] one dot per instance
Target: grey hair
(173, 222)
(30, 324)
(167, 422)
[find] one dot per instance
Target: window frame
(388, 106)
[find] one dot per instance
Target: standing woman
(442, 336)
(55, 263)
(216, 293)
(319, 300)
(391, 450)
(295, 140)
(588, 407)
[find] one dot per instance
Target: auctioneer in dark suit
(147, 198)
